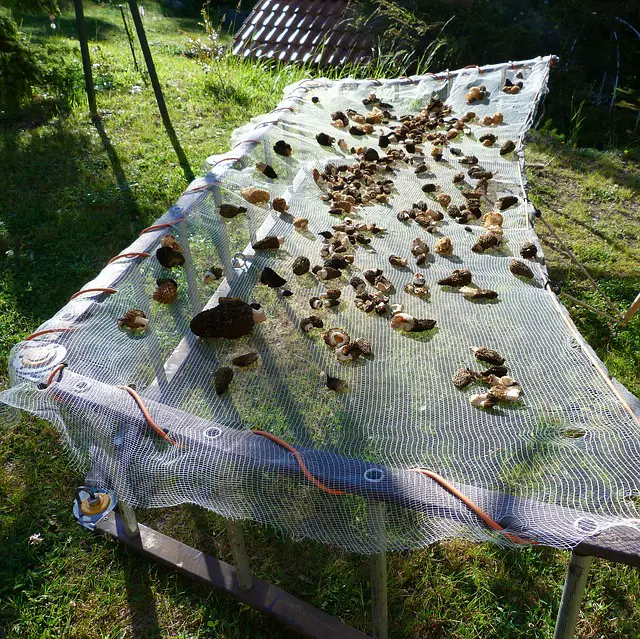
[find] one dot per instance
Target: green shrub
(19, 68)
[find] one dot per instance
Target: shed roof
(315, 31)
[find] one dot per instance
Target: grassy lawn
(74, 195)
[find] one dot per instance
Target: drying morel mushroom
(419, 247)
(371, 274)
(255, 195)
(492, 218)
(222, 379)
(271, 279)
(268, 243)
(325, 140)
(283, 148)
(486, 241)
(266, 169)
(507, 147)
(245, 360)
(169, 258)
(300, 265)
(459, 277)
(529, 251)
(436, 153)
(482, 400)
(383, 284)
(502, 393)
(478, 293)
(232, 318)
(506, 201)
(335, 383)
(444, 246)
(443, 199)
(410, 324)
(311, 322)
(230, 211)
(485, 354)
(212, 274)
(371, 155)
(488, 139)
(280, 204)
(395, 260)
(520, 268)
(301, 223)
(349, 352)
(476, 94)
(166, 290)
(364, 345)
(463, 377)
(169, 241)
(328, 273)
(134, 320)
(336, 337)
(358, 284)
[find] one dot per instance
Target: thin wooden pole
(378, 566)
(572, 594)
(239, 552)
(378, 570)
(129, 519)
(86, 60)
(632, 310)
(157, 89)
(129, 37)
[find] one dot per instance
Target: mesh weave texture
(556, 466)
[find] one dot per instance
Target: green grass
(73, 196)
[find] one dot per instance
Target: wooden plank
(205, 569)
(620, 544)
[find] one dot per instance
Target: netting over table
(556, 466)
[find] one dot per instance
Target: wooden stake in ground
(86, 60)
(155, 83)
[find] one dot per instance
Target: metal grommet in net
(212, 432)
(374, 475)
(586, 525)
(81, 386)
(238, 261)
(176, 209)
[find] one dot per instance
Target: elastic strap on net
(157, 227)
(286, 108)
(298, 457)
(494, 525)
(147, 415)
(58, 369)
(475, 66)
(246, 142)
(110, 291)
(46, 331)
(225, 160)
(117, 257)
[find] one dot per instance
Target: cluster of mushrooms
(368, 180)
(502, 387)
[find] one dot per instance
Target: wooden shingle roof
(313, 31)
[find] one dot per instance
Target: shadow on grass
(39, 26)
(64, 216)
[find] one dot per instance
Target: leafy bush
(19, 68)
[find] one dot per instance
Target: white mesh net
(557, 465)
